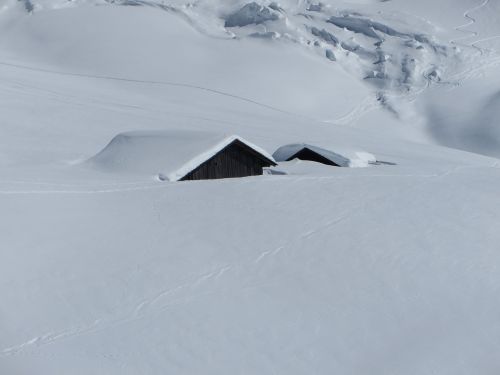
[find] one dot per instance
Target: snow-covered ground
(311, 269)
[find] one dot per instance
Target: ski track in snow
(370, 103)
(159, 83)
(80, 188)
(367, 105)
(471, 21)
(84, 188)
(154, 304)
(142, 310)
(150, 186)
(479, 66)
(331, 223)
(471, 33)
(87, 102)
(139, 110)
(485, 40)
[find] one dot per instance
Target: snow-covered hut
(182, 155)
(304, 151)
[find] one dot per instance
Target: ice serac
(357, 25)
(251, 13)
(325, 35)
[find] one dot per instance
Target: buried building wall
(235, 160)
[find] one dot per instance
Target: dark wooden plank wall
(236, 160)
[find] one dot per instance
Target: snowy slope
(390, 269)
(386, 53)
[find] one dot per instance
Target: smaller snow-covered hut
(182, 155)
(304, 151)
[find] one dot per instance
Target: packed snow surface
(389, 269)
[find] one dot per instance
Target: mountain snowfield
(386, 269)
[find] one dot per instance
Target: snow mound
(343, 157)
(170, 154)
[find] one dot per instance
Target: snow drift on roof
(173, 154)
(343, 158)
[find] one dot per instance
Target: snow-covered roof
(344, 157)
(172, 154)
